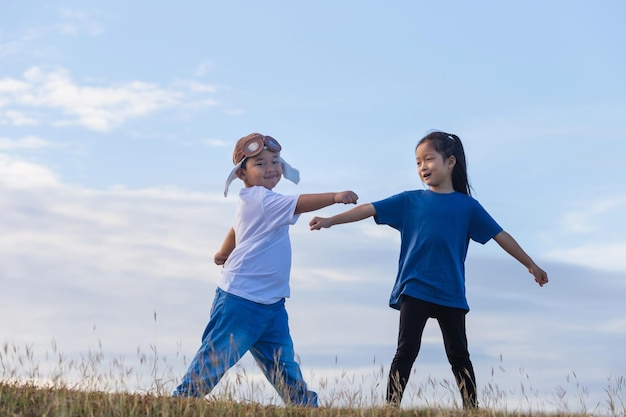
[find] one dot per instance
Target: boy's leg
(452, 324)
(234, 326)
(274, 353)
(413, 317)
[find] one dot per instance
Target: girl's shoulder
(412, 194)
(434, 195)
(431, 197)
(401, 196)
(451, 199)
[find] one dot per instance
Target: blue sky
(117, 123)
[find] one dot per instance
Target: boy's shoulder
(258, 191)
(261, 195)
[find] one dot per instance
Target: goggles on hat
(255, 146)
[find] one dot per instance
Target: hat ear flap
(230, 179)
(290, 172)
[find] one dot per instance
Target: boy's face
(263, 169)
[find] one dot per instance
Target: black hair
(447, 145)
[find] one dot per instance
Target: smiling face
(433, 169)
(263, 169)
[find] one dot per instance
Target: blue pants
(237, 326)
(413, 316)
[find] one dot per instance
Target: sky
(117, 124)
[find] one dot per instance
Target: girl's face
(263, 169)
(434, 171)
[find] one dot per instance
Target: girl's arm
(227, 247)
(360, 212)
(509, 244)
(312, 202)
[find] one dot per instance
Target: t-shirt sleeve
(482, 226)
(280, 209)
(388, 210)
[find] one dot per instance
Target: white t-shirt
(258, 268)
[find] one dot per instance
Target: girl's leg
(274, 353)
(452, 324)
(413, 317)
(234, 326)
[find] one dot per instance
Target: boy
(248, 312)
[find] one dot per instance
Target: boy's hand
(220, 258)
(346, 197)
(318, 223)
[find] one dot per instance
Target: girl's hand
(346, 197)
(220, 258)
(318, 223)
(541, 277)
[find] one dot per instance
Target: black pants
(413, 316)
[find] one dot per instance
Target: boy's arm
(509, 244)
(360, 212)
(312, 202)
(227, 247)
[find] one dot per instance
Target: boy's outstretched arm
(312, 202)
(227, 247)
(509, 244)
(360, 212)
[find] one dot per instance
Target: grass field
(94, 386)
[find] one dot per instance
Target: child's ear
(241, 174)
(451, 161)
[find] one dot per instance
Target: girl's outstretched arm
(509, 244)
(227, 247)
(312, 202)
(360, 212)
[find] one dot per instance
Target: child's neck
(442, 189)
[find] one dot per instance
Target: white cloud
(616, 326)
(204, 68)
(22, 43)
(592, 234)
(216, 143)
(77, 22)
(97, 107)
(17, 118)
(27, 142)
(591, 216)
(605, 256)
(28, 42)
(21, 174)
(196, 86)
(10, 85)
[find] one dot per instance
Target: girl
(435, 226)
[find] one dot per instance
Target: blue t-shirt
(435, 230)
